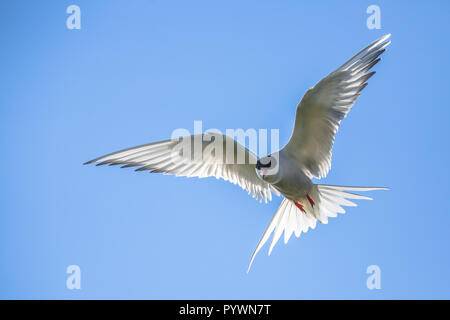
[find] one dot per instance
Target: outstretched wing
(204, 155)
(322, 108)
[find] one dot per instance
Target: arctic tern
(287, 172)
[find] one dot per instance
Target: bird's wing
(204, 155)
(322, 108)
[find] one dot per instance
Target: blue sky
(138, 70)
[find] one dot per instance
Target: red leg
(299, 205)
(311, 201)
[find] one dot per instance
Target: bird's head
(267, 168)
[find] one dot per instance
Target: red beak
(263, 173)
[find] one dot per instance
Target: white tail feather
(328, 202)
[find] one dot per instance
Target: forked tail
(322, 202)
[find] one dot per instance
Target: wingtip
(385, 45)
(379, 188)
(379, 42)
(385, 37)
(103, 163)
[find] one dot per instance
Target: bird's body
(291, 181)
(287, 172)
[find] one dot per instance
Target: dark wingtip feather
(129, 165)
(366, 77)
(103, 162)
(144, 168)
(361, 88)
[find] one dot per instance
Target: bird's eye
(264, 163)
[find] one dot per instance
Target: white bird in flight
(289, 171)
